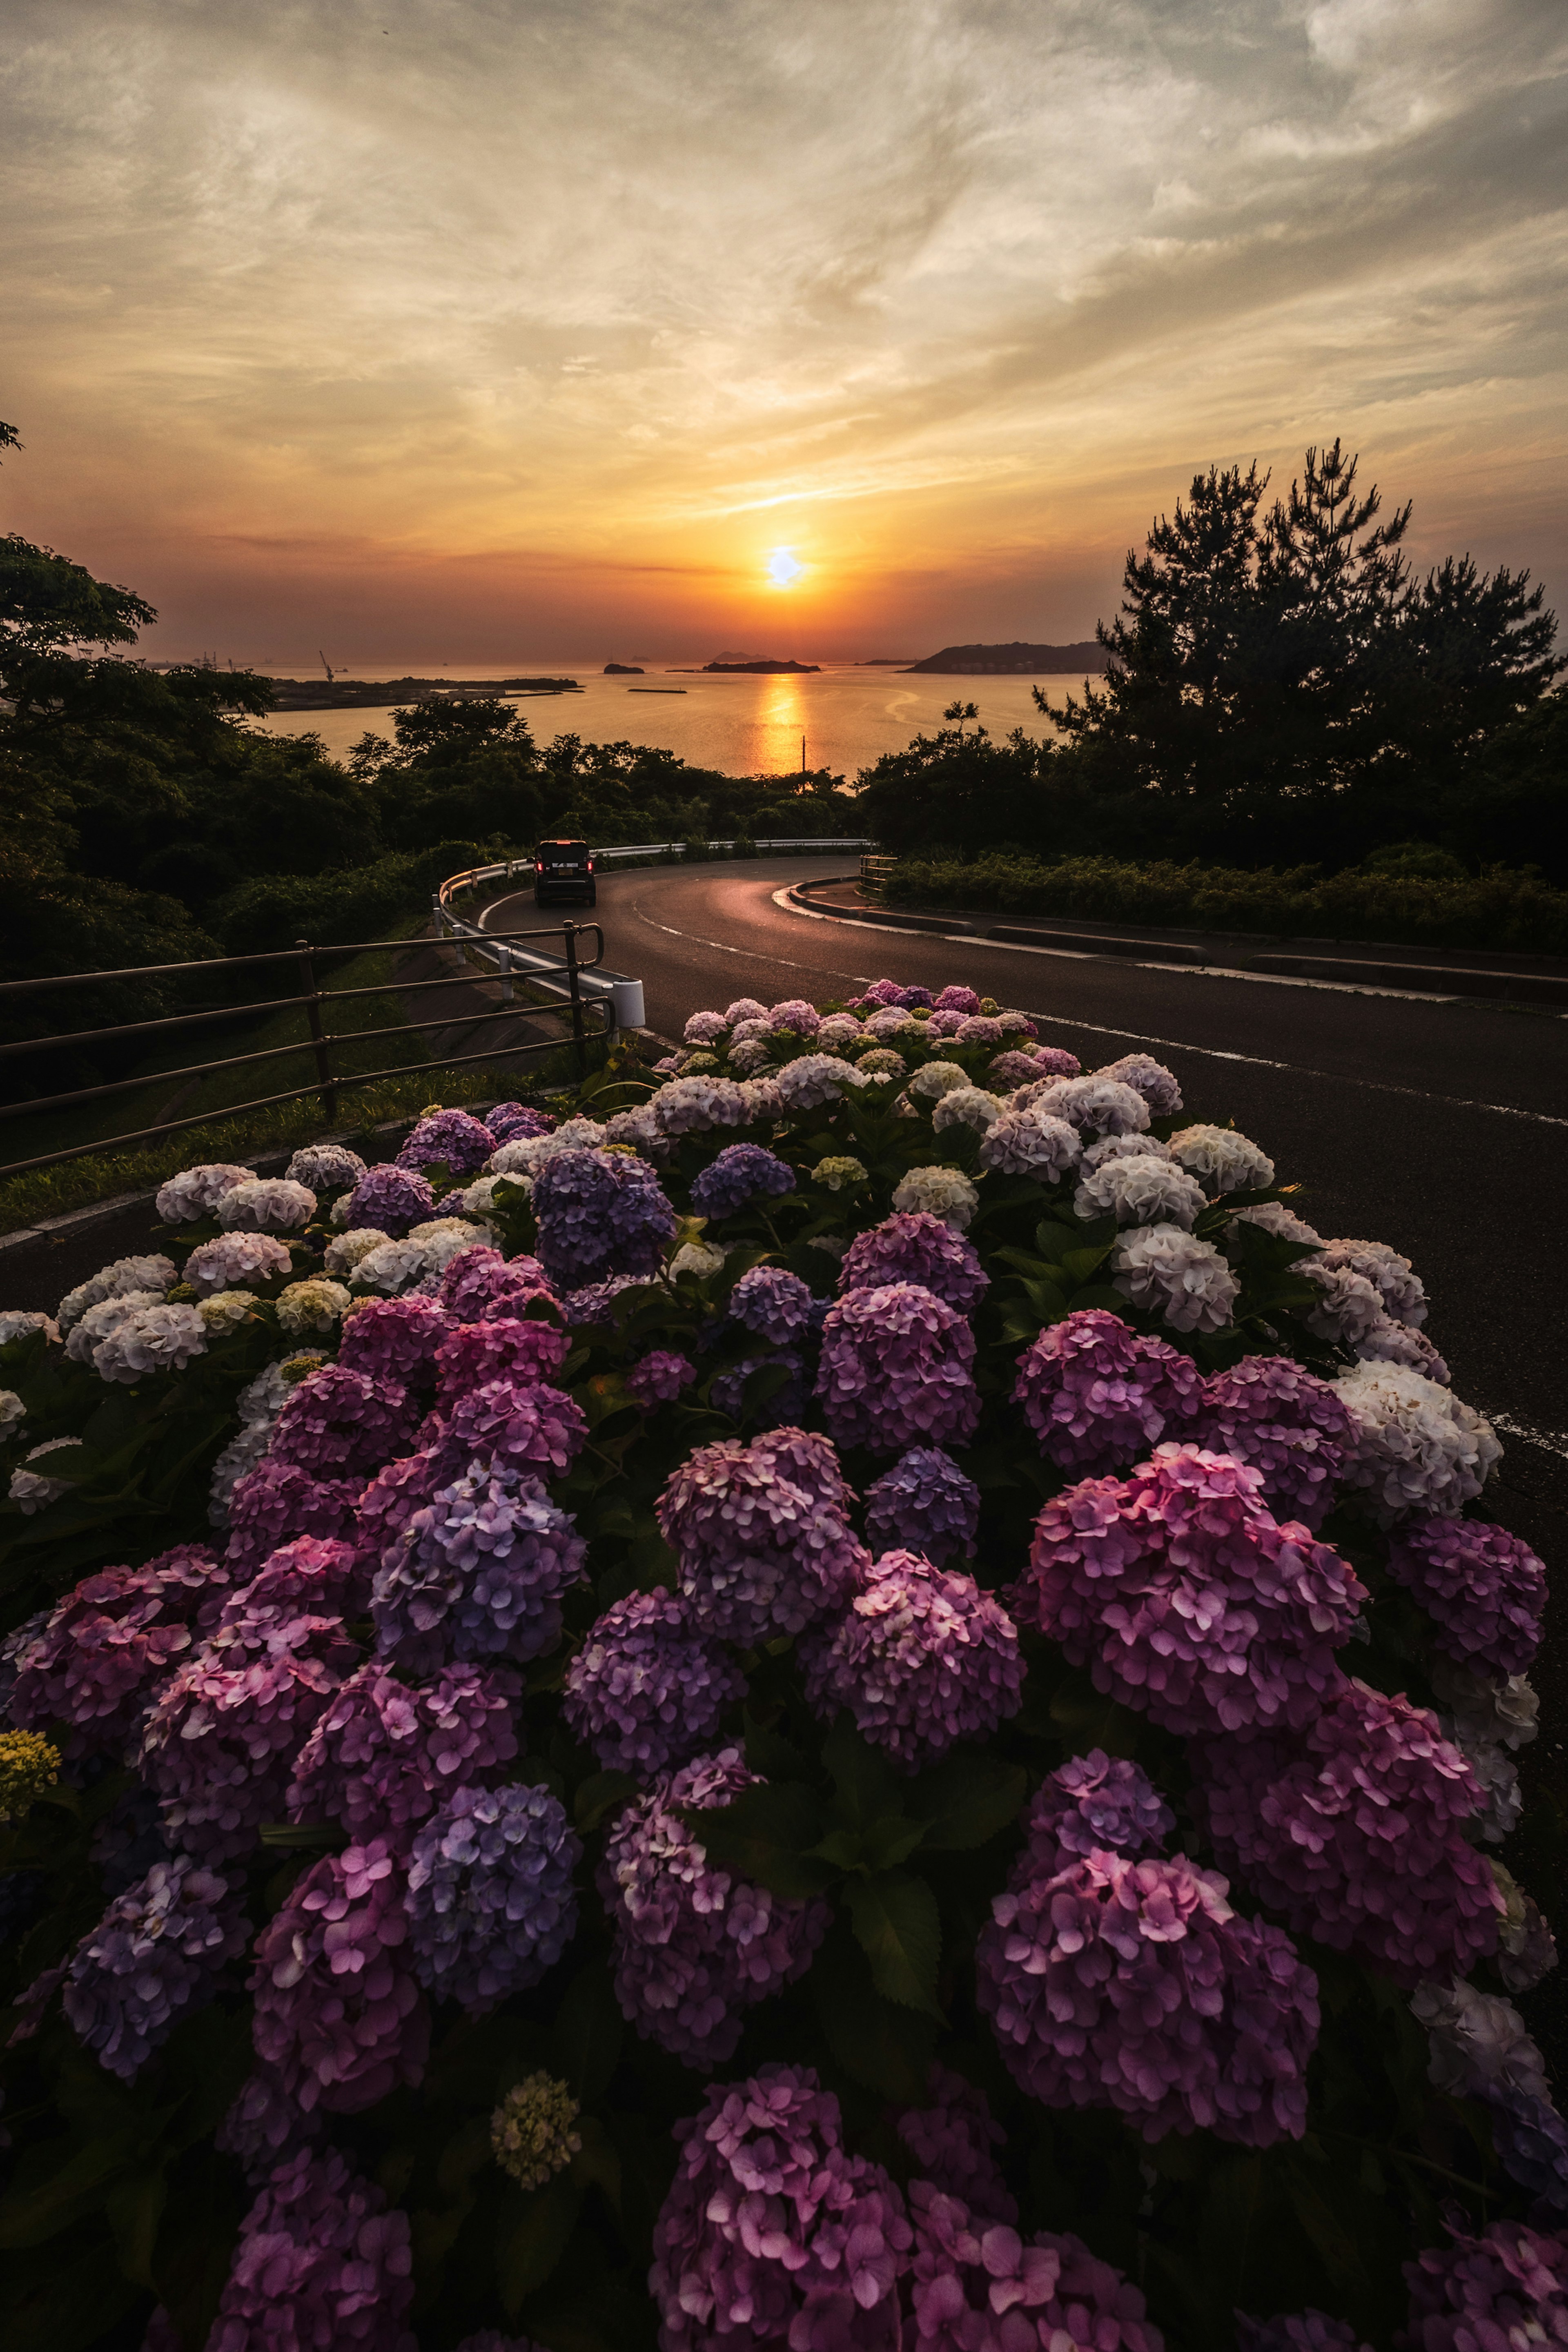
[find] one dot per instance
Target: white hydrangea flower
(936, 1079)
(967, 1105)
(748, 1032)
(1394, 1279)
(344, 1254)
(1030, 1142)
(226, 1310)
(1528, 1949)
(1017, 1024)
(640, 1129)
(749, 1053)
(744, 1008)
(1275, 1218)
(1477, 2042)
(695, 1106)
(1152, 1079)
(196, 1193)
(12, 1409)
(700, 1258)
(314, 1305)
(1223, 1160)
(838, 1031)
(241, 1454)
(267, 1204)
(891, 1020)
(154, 1338)
(526, 1154)
(702, 1028)
(1388, 1342)
(763, 1098)
(32, 1488)
(261, 1400)
(117, 1280)
(100, 1320)
(882, 1062)
(1094, 1106)
(1417, 1447)
(839, 1172)
(1127, 1147)
(443, 1238)
(1350, 1309)
(1502, 1708)
(325, 1167)
(390, 1268)
(1502, 1800)
(16, 1322)
(943, 1190)
(1141, 1190)
(233, 1261)
(813, 1080)
(1173, 1275)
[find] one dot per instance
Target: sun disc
(783, 568)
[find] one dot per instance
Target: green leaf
(532, 2239)
(1079, 1264)
(771, 1754)
(589, 2031)
(1047, 1300)
(596, 2162)
(135, 2209)
(1053, 1240)
(766, 1835)
(965, 1799)
(31, 2212)
(601, 1793)
(305, 1837)
(865, 1784)
(878, 2044)
(897, 1925)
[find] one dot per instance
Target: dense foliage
(1280, 686)
(865, 1701)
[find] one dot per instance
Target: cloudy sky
(487, 330)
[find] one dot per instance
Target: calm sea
(742, 726)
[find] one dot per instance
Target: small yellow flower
(28, 1765)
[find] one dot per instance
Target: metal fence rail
(589, 1013)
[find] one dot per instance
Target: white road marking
(1554, 1441)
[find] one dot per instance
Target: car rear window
(561, 853)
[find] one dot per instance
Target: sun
(782, 568)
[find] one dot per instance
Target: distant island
(623, 670)
(884, 661)
(381, 694)
(1008, 661)
(763, 668)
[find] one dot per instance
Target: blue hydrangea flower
(775, 1303)
(742, 1173)
(154, 1956)
(646, 1689)
(924, 1504)
(478, 1572)
(600, 1213)
(491, 1905)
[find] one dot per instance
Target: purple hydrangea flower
(952, 999)
(1484, 1590)
(593, 1308)
(509, 1121)
(100, 1654)
(339, 2018)
(915, 1246)
(695, 1948)
(775, 1303)
(772, 2234)
(979, 1029)
(153, 1958)
(1297, 2331)
(1292, 1428)
(600, 1213)
(977, 2284)
(390, 1198)
(533, 1428)
(1152, 1079)
(385, 1755)
(795, 1017)
(1092, 1805)
(953, 2142)
(1506, 2289)
(1352, 1830)
(915, 998)
(924, 1504)
(742, 1173)
(449, 1139)
(761, 1535)
(226, 1727)
(491, 1906)
(659, 1377)
(319, 2262)
(1133, 1985)
(479, 1282)
(338, 1422)
(895, 1370)
(277, 1500)
(646, 1689)
(262, 2129)
(921, 1658)
(315, 1576)
(1187, 1600)
(1096, 1392)
(478, 1572)
(395, 1339)
(395, 1494)
(520, 1352)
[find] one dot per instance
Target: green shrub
(274, 909)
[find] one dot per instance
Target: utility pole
(803, 755)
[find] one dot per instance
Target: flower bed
(866, 1701)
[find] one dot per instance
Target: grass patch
(1502, 909)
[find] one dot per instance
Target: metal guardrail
(576, 1006)
(873, 872)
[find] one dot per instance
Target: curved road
(1440, 1128)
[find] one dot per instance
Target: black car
(564, 869)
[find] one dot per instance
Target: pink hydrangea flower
(895, 1370)
(340, 2017)
(921, 1658)
(1097, 1394)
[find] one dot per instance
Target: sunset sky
(476, 330)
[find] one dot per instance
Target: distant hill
(761, 668)
(1010, 661)
(383, 693)
(622, 669)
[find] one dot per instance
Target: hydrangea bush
(860, 1698)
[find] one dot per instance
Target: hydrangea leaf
(766, 1835)
(589, 2032)
(878, 2043)
(598, 1794)
(966, 1800)
(898, 1926)
(532, 2241)
(866, 1786)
